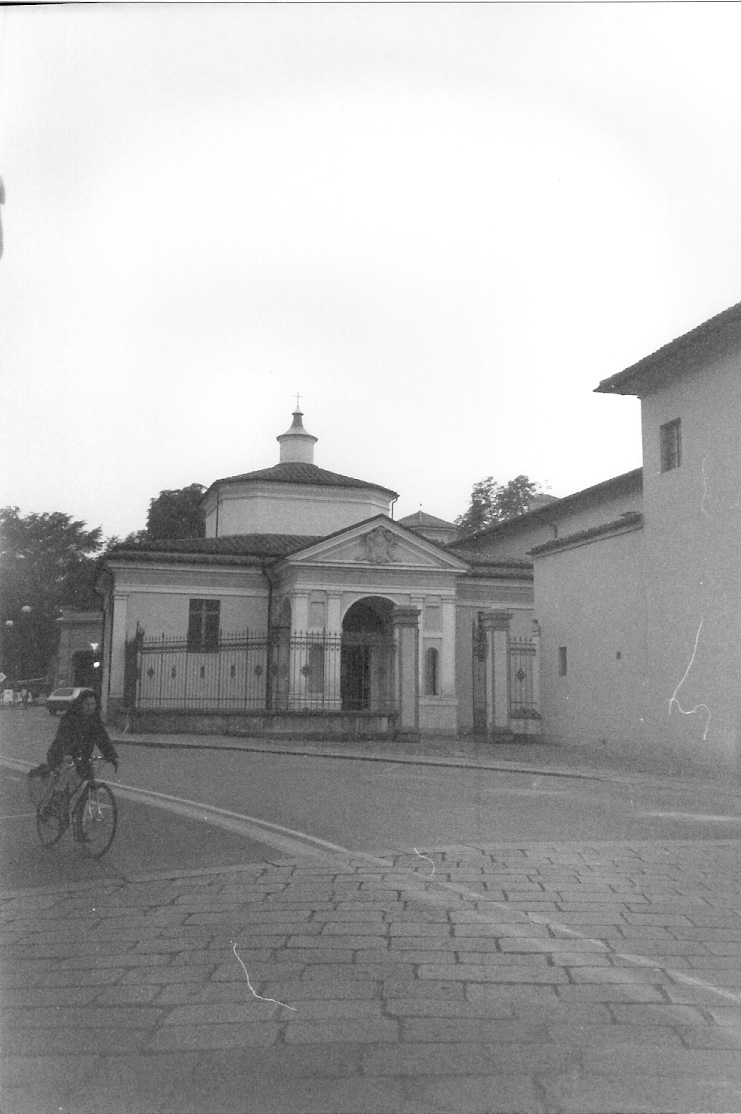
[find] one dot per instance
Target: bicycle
(89, 809)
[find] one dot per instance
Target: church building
(307, 609)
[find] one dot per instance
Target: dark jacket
(78, 735)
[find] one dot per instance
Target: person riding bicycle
(80, 731)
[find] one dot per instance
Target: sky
(442, 225)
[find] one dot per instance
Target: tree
(492, 502)
(176, 514)
(47, 564)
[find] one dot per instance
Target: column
(332, 674)
(299, 696)
(115, 681)
(418, 603)
(447, 665)
(496, 629)
(406, 637)
(536, 675)
(300, 613)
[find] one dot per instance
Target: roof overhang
(631, 520)
(717, 335)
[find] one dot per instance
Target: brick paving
(515, 977)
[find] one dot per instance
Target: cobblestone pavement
(517, 977)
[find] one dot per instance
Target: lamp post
(19, 637)
(96, 667)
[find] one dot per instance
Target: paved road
(485, 971)
(367, 805)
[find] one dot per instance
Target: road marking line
(280, 838)
(263, 831)
(245, 824)
(17, 815)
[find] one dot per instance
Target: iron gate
(253, 673)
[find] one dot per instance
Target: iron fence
(314, 671)
(522, 665)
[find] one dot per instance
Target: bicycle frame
(89, 809)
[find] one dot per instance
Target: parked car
(60, 699)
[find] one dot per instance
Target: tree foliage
(492, 502)
(176, 514)
(48, 564)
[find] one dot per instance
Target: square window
(671, 445)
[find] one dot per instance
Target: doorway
(366, 662)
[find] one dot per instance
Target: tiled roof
(652, 369)
(481, 560)
(422, 518)
(630, 520)
(517, 570)
(246, 548)
(483, 567)
(298, 473)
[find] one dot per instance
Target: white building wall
(590, 603)
(693, 546)
(272, 508)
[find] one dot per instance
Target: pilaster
(406, 636)
(496, 629)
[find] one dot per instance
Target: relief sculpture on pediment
(378, 547)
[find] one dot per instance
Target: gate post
(496, 631)
(406, 636)
(537, 646)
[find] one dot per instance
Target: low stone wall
(304, 725)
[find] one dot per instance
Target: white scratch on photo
(429, 860)
(249, 984)
(674, 700)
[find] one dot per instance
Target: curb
(402, 760)
(503, 766)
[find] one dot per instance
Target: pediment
(378, 544)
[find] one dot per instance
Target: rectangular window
(562, 664)
(204, 618)
(671, 445)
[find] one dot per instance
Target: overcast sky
(443, 225)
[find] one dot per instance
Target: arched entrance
(366, 664)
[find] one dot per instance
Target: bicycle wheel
(51, 822)
(96, 817)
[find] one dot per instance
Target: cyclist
(80, 731)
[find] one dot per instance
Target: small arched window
(432, 672)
